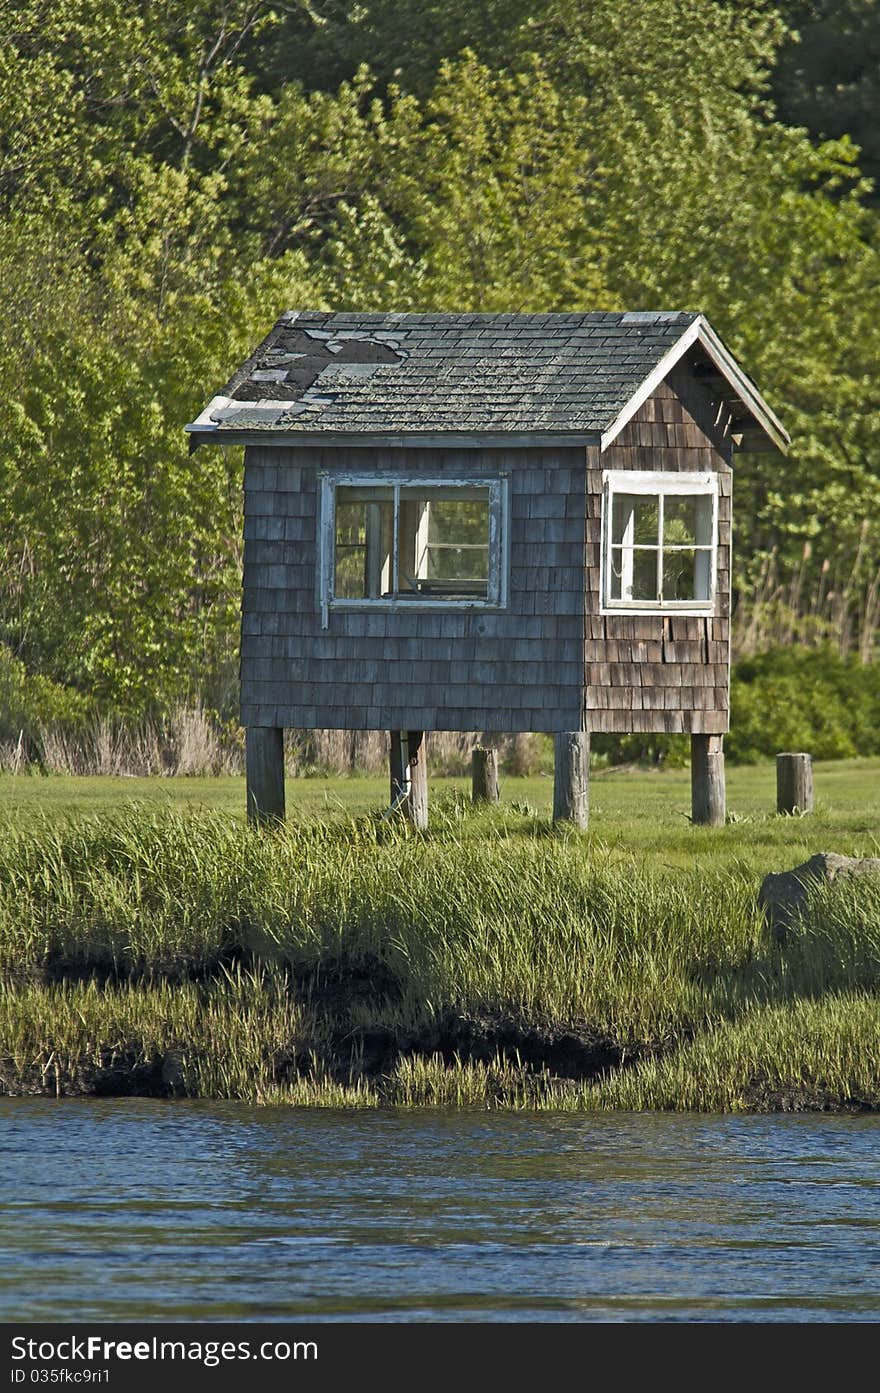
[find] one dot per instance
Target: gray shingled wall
(519, 669)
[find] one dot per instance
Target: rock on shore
(783, 895)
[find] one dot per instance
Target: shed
(494, 522)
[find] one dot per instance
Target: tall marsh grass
(339, 963)
(823, 1053)
(524, 925)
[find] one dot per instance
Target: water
(132, 1210)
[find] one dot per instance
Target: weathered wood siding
(670, 672)
(548, 662)
(517, 669)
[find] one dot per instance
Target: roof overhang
(458, 440)
(750, 422)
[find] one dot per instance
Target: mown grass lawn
(633, 813)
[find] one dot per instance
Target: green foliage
(172, 176)
(29, 701)
(475, 197)
(641, 747)
(803, 699)
(828, 76)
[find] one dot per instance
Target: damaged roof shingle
(320, 373)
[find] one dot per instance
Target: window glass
(679, 576)
(687, 520)
(449, 542)
(432, 542)
(364, 529)
(660, 548)
(636, 519)
(644, 575)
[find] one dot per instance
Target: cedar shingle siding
(520, 668)
(660, 672)
(548, 662)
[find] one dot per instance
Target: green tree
(828, 74)
(165, 192)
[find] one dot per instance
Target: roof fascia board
(202, 433)
(652, 382)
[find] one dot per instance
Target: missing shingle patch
(298, 358)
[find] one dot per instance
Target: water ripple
(144, 1210)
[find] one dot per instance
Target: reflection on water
(121, 1210)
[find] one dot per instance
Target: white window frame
(498, 487)
(657, 484)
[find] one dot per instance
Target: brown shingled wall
(666, 672)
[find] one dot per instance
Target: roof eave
(200, 433)
(748, 393)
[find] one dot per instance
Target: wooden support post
(399, 768)
(409, 776)
(794, 783)
(571, 777)
(484, 775)
(264, 762)
(708, 795)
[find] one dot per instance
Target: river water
(144, 1210)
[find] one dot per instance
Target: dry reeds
(190, 741)
(366, 751)
(812, 606)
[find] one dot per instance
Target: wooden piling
(708, 793)
(409, 776)
(484, 775)
(571, 777)
(794, 783)
(264, 763)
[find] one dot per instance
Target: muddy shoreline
(348, 1054)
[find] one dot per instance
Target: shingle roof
(321, 373)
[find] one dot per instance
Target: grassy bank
(491, 963)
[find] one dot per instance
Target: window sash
(660, 486)
(404, 489)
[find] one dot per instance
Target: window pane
(444, 543)
(703, 575)
(687, 519)
(686, 574)
(363, 542)
(633, 574)
(349, 583)
(457, 564)
(429, 542)
(644, 576)
(678, 575)
(459, 521)
(635, 519)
